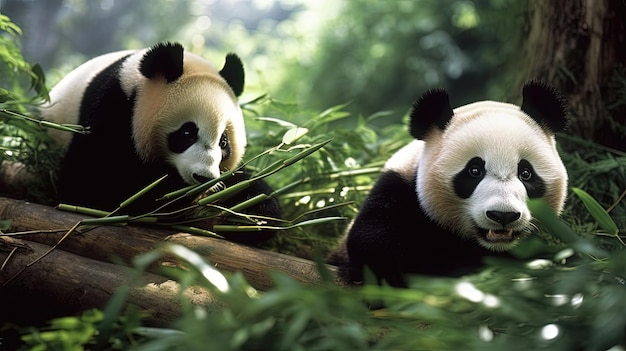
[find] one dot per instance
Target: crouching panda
(150, 112)
(459, 191)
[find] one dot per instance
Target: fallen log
(64, 284)
(108, 243)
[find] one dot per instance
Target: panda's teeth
(499, 235)
(217, 187)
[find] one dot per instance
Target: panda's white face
(195, 124)
(475, 178)
(195, 155)
(200, 146)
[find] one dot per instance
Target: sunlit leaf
(294, 134)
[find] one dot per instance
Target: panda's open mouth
(500, 235)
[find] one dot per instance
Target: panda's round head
(481, 162)
(186, 112)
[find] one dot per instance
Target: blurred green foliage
(568, 294)
(382, 55)
(572, 298)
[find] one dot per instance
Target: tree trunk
(578, 47)
(80, 273)
(64, 284)
(117, 242)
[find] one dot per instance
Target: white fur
(405, 160)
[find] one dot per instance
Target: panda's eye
(534, 184)
(224, 141)
(225, 146)
(525, 175)
(475, 171)
(181, 139)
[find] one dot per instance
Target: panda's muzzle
(503, 219)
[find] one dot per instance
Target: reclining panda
(150, 112)
(459, 191)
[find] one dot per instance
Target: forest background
(362, 63)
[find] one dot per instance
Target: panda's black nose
(503, 218)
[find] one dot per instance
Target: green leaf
(38, 82)
(597, 212)
(294, 134)
(556, 227)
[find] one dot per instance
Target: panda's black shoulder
(104, 94)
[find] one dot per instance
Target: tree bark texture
(81, 272)
(578, 47)
(64, 284)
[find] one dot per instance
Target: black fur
(233, 73)
(396, 237)
(165, 59)
(545, 105)
(432, 109)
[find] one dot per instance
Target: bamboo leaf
(302, 154)
(294, 134)
(207, 270)
(597, 211)
(278, 121)
(556, 227)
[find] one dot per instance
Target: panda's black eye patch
(535, 186)
(468, 179)
(181, 139)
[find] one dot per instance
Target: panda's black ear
(545, 105)
(432, 109)
(163, 59)
(233, 73)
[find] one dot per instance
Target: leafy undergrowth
(572, 297)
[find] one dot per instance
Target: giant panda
(459, 191)
(149, 113)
